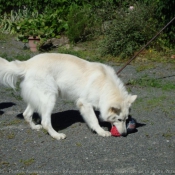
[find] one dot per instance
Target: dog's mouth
(116, 132)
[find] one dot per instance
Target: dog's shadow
(137, 125)
(5, 105)
(62, 120)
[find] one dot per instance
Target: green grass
(4, 37)
(168, 134)
(143, 67)
(4, 163)
(90, 50)
(146, 81)
(13, 122)
(71, 51)
(16, 96)
(78, 144)
(28, 162)
(151, 56)
(156, 102)
(11, 136)
(20, 57)
(87, 55)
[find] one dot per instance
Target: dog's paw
(104, 133)
(36, 127)
(59, 136)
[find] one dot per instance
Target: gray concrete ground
(150, 150)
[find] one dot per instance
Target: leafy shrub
(39, 5)
(125, 31)
(128, 31)
(164, 12)
(8, 20)
(42, 6)
(30, 23)
(82, 22)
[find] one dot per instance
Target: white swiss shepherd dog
(91, 85)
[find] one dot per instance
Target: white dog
(91, 85)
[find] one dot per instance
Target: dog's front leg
(90, 118)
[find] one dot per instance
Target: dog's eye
(111, 118)
(119, 120)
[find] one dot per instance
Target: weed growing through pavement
(28, 162)
(144, 67)
(13, 122)
(168, 134)
(78, 144)
(11, 136)
(3, 163)
(5, 37)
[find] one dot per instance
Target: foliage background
(123, 31)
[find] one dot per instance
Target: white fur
(46, 77)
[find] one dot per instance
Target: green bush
(125, 31)
(82, 22)
(43, 5)
(164, 12)
(39, 5)
(8, 20)
(44, 25)
(27, 23)
(128, 31)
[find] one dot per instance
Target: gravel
(150, 150)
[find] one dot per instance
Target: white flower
(131, 7)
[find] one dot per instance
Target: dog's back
(63, 74)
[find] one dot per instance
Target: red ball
(114, 132)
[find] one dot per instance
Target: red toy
(114, 132)
(130, 125)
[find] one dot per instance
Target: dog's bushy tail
(10, 72)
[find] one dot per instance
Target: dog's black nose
(124, 134)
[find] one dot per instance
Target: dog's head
(118, 113)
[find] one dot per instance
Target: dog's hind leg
(28, 113)
(46, 110)
(90, 118)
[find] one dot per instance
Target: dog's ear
(131, 98)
